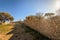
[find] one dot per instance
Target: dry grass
(4, 29)
(48, 27)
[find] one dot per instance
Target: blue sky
(19, 9)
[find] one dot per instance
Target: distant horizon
(19, 9)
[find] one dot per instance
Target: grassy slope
(4, 29)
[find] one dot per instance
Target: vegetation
(49, 14)
(4, 16)
(48, 27)
(5, 28)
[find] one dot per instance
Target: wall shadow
(23, 32)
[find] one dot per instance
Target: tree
(4, 16)
(49, 14)
(39, 14)
(1, 18)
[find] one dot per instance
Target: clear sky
(19, 9)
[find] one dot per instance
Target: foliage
(49, 14)
(4, 16)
